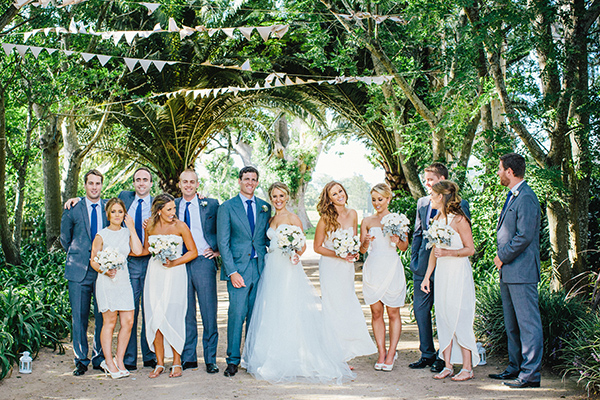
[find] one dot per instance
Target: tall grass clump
(581, 354)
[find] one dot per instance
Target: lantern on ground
(25, 363)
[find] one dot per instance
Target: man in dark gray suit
(201, 217)
(423, 302)
(518, 260)
(78, 228)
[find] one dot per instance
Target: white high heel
(125, 372)
(113, 375)
(389, 367)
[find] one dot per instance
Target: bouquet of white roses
(110, 259)
(162, 248)
(439, 233)
(344, 243)
(395, 224)
(290, 239)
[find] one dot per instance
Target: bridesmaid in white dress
(454, 296)
(113, 288)
(341, 308)
(384, 284)
(165, 288)
(287, 340)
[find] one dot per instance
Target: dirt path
(52, 379)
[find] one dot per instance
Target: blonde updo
(281, 186)
(383, 189)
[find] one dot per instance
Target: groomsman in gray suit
(138, 204)
(78, 228)
(242, 224)
(423, 302)
(518, 260)
(200, 215)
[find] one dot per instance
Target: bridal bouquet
(290, 239)
(344, 243)
(162, 248)
(395, 224)
(110, 259)
(438, 233)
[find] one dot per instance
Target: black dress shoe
(190, 365)
(437, 366)
(231, 370)
(521, 384)
(150, 363)
(212, 368)
(504, 375)
(422, 363)
(98, 367)
(79, 370)
(129, 367)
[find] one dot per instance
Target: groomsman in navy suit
(423, 302)
(201, 217)
(138, 204)
(78, 228)
(518, 260)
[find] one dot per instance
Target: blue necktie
(433, 214)
(250, 213)
(138, 221)
(94, 221)
(508, 196)
(186, 215)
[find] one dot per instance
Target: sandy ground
(52, 378)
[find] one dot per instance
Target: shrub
(581, 354)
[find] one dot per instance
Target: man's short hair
(248, 169)
(188, 170)
(142, 169)
(93, 172)
(515, 162)
(439, 169)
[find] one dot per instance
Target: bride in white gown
(341, 308)
(287, 340)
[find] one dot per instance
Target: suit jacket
(235, 237)
(128, 196)
(518, 238)
(208, 218)
(419, 258)
(75, 237)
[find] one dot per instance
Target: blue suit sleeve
(465, 207)
(224, 239)
(66, 229)
(417, 240)
(526, 230)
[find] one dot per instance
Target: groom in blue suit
(78, 228)
(518, 260)
(242, 224)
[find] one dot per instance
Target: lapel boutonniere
(515, 193)
(204, 203)
(265, 208)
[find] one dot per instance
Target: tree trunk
(559, 239)
(297, 206)
(245, 151)
(72, 158)
(50, 145)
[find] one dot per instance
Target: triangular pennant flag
(264, 32)
(151, 7)
(50, 51)
(26, 36)
(400, 20)
(278, 83)
(61, 30)
(87, 56)
(22, 49)
(212, 31)
(47, 31)
(288, 81)
(72, 26)
(378, 80)
(145, 34)
(68, 52)
(216, 92)
(380, 18)
(117, 36)
(257, 86)
(311, 81)
(246, 66)
(129, 36)
(267, 85)
(82, 30)
(172, 62)
(247, 32)
(280, 30)
(173, 25)
(186, 31)
(159, 64)
(228, 31)
(299, 81)
(234, 90)
(8, 47)
(91, 31)
(145, 64)
(345, 16)
(157, 28)
(131, 62)
(103, 59)
(361, 15)
(106, 35)
(36, 50)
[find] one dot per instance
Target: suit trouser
(523, 328)
(241, 303)
(138, 267)
(80, 297)
(202, 284)
(422, 304)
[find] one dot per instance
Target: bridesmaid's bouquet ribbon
(438, 234)
(396, 224)
(290, 239)
(344, 243)
(110, 259)
(162, 248)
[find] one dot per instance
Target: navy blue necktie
(94, 221)
(138, 221)
(186, 215)
(250, 213)
(433, 214)
(508, 197)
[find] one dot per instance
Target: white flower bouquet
(162, 248)
(396, 224)
(439, 233)
(344, 243)
(110, 259)
(290, 239)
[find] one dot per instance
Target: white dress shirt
(195, 223)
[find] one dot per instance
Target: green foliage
(581, 354)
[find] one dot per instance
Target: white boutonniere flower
(265, 208)
(515, 193)
(203, 203)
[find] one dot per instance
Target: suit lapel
(103, 212)
(425, 215)
(240, 212)
(85, 216)
(202, 212)
(510, 203)
(260, 218)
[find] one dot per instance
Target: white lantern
(25, 363)
(481, 351)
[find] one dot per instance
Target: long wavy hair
(158, 204)
(326, 208)
(450, 198)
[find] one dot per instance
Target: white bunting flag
(380, 18)
(247, 32)
(212, 31)
(131, 62)
(151, 7)
(159, 65)
(280, 30)
(129, 36)
(173, 25)
(264, 32)
(22, 49)
(50, 51)
(47, 31)
(186, 31)
(299, 81)
(103, 59)
(26, 36)
(145, 64)
(8, 47)
(68, 52)
(157, 28)
(288, 81)
(117, 36)
(246, 66)
(72, 26)
(228, 31)
(87, 56)
(36, 50)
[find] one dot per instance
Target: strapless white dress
(287, 340)
(165, 302)
(341, 308)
